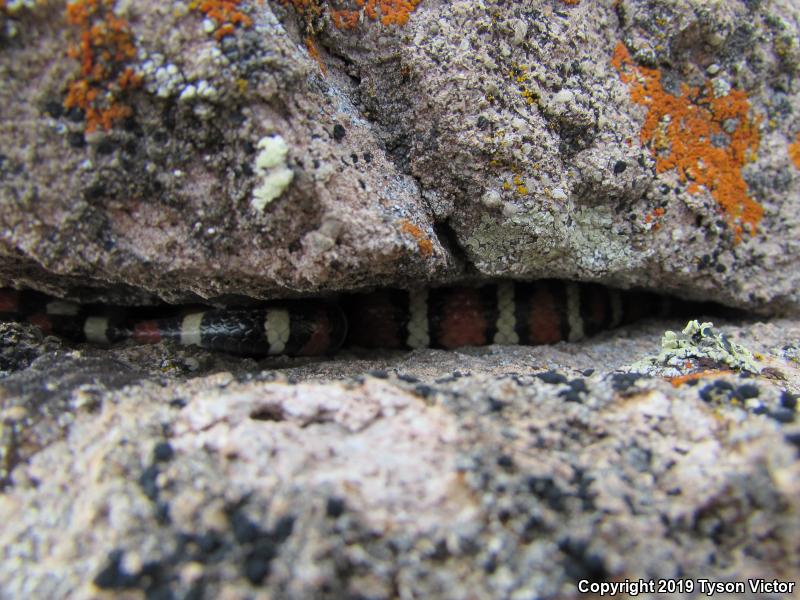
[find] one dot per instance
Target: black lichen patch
(424, 391)
(505, 461)
(153, 578)
(407, 378)
(452, 377)
(148, 482)
(794, 440)
(178, 403)
(717, 391)
(580, 562)
(782, 415)
(583, 482)
(339, 132)
(265, 549)
(245, 542)
(573, 393)
(623, 382)
(721, 391)
(163, 452)
(546, 489)
(335, 507)
(747, 391)
(260, 546)
(76, 139)
(496, 405)
(53, 108)
(552, 377)
(788, 400)
(113, 576)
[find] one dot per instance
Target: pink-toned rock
(310, 152)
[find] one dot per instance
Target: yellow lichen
(707, 139)
(519, 75)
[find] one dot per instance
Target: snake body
(539, 312)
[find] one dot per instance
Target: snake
(538, 312)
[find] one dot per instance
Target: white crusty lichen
(272, 172)
(161, 78)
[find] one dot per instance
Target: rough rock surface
(488, 473)
(301, 147)
(178, 150)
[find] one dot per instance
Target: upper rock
(283, 147)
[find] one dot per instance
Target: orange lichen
(105, 46)
(345, 19)
(313, 52)
(681, 379)
(393, 12)
(312, 12)
(794, 151)
(653, 217)
(225, 13)
(423, 243)
(388, 12)
(707, 139)
(572, 2)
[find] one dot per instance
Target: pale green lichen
(272, 172)
(273, 152)
(791, 352)
(699, 344)
(534, 242)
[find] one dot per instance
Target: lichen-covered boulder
(640, 143)
(278, 147)
(144, 151)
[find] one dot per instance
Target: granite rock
(285, 148)
(494, 472)
(243, 150)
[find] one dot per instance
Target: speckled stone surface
(501, 472)
(266, 149)
(639, 143)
